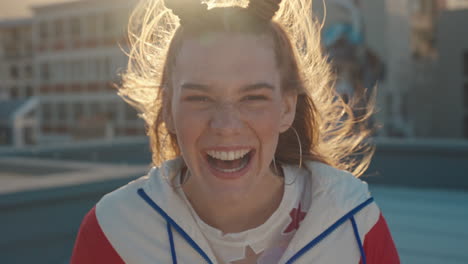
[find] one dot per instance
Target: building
(434, 103)
(78, 49)
(450, 104)
(16, 65)
(422, 44)
(425, 52)
(18, 104)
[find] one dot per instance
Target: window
(425, 6)
(57, 72)
(15, 35)
(465, 64)
(92, 70)
(29, 91)
(46, 112)
(104, 71)
(92, 25)
(44, 70)
(107, 68)
(130, 113)
(75, 27)
(62, 111)
(14, 72)
(108, 22)
(28, 48)
(43, 30)
(404, 105)
(111, 110)
(78, 110)
(389, 104)
(466, 126)
(28, 71)
(58, 28)
(121, 17)
(14, 92)
(100, 71)
(77, 71)
(465, 97)
(94, 108)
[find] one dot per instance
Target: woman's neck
(240, 214)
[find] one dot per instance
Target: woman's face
(227, 111)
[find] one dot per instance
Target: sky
(20, 8)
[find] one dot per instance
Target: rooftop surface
(25, 174)
(428, 226)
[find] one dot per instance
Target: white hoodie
(146, 221)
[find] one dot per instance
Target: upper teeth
(228, 155)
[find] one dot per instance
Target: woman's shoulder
(334, 188)
(126, 191)
(126, 216)
(330, 179)
(156, 181)
(128, 196)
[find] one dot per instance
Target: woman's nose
(226, 119)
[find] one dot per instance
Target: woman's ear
(288, 111)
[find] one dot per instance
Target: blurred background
(66, 138)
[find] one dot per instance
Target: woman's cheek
(267, 117)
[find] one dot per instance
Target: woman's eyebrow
(247, 88)
(195, 86)
(257, 86)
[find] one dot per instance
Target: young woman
(256, 154)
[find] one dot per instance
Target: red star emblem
(296, 217)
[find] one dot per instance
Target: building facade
(450, 99)
(435, 103)
(16, 63)
(79, 53)
(422, 44)
(18, 102)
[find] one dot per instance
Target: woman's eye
(197, 98)
(255, 98)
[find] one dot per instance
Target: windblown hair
(325, 124)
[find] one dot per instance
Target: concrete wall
(40, 226)
(420, 164)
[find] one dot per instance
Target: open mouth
(229, 161)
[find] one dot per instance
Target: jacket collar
(333, 194)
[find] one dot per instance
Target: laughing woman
(255, 157)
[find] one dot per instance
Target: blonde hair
(327, 130)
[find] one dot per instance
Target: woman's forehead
(226, 57)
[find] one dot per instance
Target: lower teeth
(243, 164)
(232, 170)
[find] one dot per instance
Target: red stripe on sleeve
(91, 245)
(379, 246)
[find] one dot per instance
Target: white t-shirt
(267, 242)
